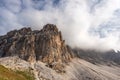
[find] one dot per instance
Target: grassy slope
(7, 74)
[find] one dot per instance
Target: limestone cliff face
(45, 45)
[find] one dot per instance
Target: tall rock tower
(44, 45)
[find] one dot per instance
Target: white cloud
(78, 20)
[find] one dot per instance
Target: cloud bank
(88, 24)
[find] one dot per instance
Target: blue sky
(87, 20)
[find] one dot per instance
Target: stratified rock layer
(45, 45)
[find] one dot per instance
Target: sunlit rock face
(50, 48)
(45, 45)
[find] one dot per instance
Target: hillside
(8, 74)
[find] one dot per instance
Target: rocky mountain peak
(50, 27)
(44, 45)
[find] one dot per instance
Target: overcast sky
(84, 23)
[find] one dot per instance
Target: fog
(87, 24)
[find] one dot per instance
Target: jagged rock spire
(45, 45)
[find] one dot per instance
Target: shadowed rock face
(45, 45)
(96, 57)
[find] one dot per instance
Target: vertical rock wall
(45, 45)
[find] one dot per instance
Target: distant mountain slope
(109, 57)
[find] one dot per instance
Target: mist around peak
(85, 24)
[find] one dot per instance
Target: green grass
(7, 74)
(26, 74)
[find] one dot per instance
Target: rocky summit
(44, 45)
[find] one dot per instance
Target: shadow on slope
(110, 57)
